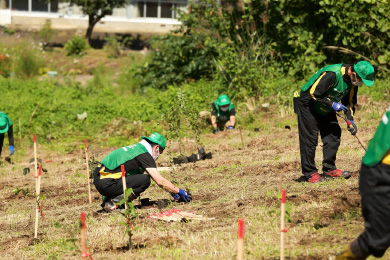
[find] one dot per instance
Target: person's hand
(352, 127)
(230, 127)
(11, 149)
(215, 131)
(175, 195)
(339, 107)
(184, 195)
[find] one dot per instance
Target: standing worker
(331, 89)
(223, 114)
(374, 186)
(136, 159)
(6, 126)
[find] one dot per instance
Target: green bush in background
(76, 46)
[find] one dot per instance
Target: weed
(76, 46)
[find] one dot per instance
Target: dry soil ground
(235, 183)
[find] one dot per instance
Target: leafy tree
(96, 10)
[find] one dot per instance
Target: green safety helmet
(366, 71)
(3, 125)
(223, 100)
(156, 138)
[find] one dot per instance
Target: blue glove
(352, 127)
(215, 131)
(230, 127)
(11, 149)
(175, 195)
(184, 195)
(339, 107)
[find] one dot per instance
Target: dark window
(151, 9)
(166, 10)
(21, 5)
(39, 6)
(54, 6)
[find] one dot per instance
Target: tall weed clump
(28, 63)
(5, 65)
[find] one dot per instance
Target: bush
(46, 33)
(114, 45)
(76, 46)
(5, 65)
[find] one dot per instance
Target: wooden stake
(240, 245)
(37, 206)
(87, 162)
(242, 140)
(282, 229)
(124, 182)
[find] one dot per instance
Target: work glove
(215, 131)
(230, 127)
(352, 127)
(182, 195)
(339, 107)
(11, 149)
(175, 195)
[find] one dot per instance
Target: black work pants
(374, 186)
(309, 124)
(1, 142)
(113, 187)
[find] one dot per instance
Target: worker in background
(223, 114)
(137, 159)
(6, 126)
(374, 186)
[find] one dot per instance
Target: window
(35, 5)
(158, 8)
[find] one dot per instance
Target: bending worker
(6, 126)
(136, 159)
(332, 89)
(223, 114)
(374, 186)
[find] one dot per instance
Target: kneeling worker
(223, 114)
(136, 159)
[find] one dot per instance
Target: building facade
(140, 16)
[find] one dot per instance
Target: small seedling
(129, 215)
(25, 192)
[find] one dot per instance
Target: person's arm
(11, 135)
(350, 100)
(320, 87)
(214, 116)
(233, 120)
(161, 181)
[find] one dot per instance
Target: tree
(96, 10)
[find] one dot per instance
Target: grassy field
(235, 183)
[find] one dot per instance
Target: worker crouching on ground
(136, 159)
(332, 89)
(6, 126)
(223, 114)
(374, 186)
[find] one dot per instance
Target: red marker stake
(282, 228)
(35, 164)
(37, 206)
(240, 246)
(124, 182)
(88, 182)
(84, 252)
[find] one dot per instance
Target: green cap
(3, 125)
(366, 71)
(223, 100)
(156, 138)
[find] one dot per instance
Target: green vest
(335, 92)
(379, 147)
(223, 116)
(122, 155)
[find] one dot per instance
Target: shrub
(5, 65)
(46, 33)
(28, 63)
(76, 46)
(114, 44)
